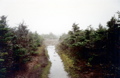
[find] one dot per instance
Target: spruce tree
(5, 47)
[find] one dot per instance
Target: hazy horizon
(57, 16)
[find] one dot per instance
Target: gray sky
(57, 16)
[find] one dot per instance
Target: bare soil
(34, 67)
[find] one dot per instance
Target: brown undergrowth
(79, 69)
(34, 68)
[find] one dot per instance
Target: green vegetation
(90, 50)
(17, 46)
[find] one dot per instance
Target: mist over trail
(48, 42)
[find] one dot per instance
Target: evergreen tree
(5, 47)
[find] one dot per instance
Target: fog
(57, 16)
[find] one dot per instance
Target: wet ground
(57, 67)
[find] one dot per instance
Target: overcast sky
(57, 16)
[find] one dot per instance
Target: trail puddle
(57, 67)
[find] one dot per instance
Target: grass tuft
(46, 70)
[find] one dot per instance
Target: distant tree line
(17, 46)
(49, 36)
(93, 49)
